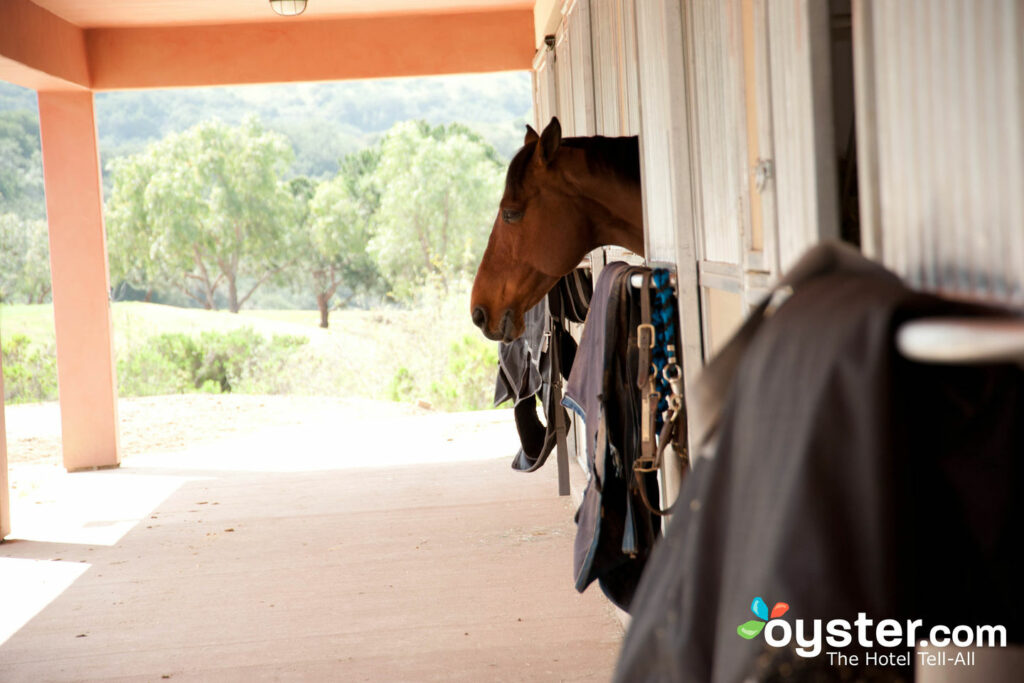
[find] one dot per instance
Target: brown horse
(562, 199)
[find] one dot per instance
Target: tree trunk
(149, 296)
(321, 302)
(233, 295)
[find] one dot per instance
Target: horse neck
(616, 212)
(612, 195)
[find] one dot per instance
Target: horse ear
(531, 136)
(550, 139)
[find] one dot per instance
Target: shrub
(30, 370)
(150, 370)
(241, 360)
(468, 383)
(402, 386)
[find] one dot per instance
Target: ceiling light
(289, 8)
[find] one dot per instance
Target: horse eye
(511, 216)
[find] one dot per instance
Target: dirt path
(264, 538)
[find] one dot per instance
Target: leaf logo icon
(751, 629)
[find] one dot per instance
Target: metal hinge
(762, 173)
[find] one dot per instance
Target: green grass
(431, 352)
(35, 321)
(132, 319)
(294, 317)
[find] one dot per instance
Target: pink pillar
(78, 264)
(5, 492)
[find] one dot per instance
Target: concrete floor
(276, 556)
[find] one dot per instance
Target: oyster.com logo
(751, 629)
(878, 643)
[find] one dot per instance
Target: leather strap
(663, 441)
(644, 332)
(560, 430)
(554, 341)
(674, 428)
(646, 379)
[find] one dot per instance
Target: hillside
(323, 120)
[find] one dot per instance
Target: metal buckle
(646, 465)
(639, 335)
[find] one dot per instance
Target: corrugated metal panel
(545, 87)
(941, 127)
(799, 42)
(606, 63)
(762, 240)
(573, 57)
(664, 144)
(630, 92)
(719, 125)
(615, 67)
(665, 164)
(563, 76)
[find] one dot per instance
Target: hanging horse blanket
(526, 368)
(843, 479)
(615, 530)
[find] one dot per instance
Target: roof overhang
(43, 50)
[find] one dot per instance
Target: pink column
(5, 492)
(78, 263)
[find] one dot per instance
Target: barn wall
(665, 160)
(592, 82)
(616, 87)
(718, 128)
(741, 125)
(940, 127)
(714, 89)
(733, 104)
(545, 87)
(762, 148)
(740, 128)
(575, 68)
(799, 38)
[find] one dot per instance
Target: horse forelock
(517, 171)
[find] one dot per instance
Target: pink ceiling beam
(39, 50)
(273, 52)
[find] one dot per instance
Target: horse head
(563, 198)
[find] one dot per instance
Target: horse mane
(619, 156)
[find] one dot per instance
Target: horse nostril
(479, 316)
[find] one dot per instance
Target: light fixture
(289, 8)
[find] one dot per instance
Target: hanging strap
(663, 441)
(560, 429)
(673, 428)
(646, 375)
(554, 349)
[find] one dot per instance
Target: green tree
(21, 166)
(203, 209)
(333, 253)
(24, 260)
(439, 187)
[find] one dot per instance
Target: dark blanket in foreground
(845, 479)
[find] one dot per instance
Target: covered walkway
(279, 554)
(67, 51)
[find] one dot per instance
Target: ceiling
(122, 13)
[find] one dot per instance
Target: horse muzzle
(506, 331)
